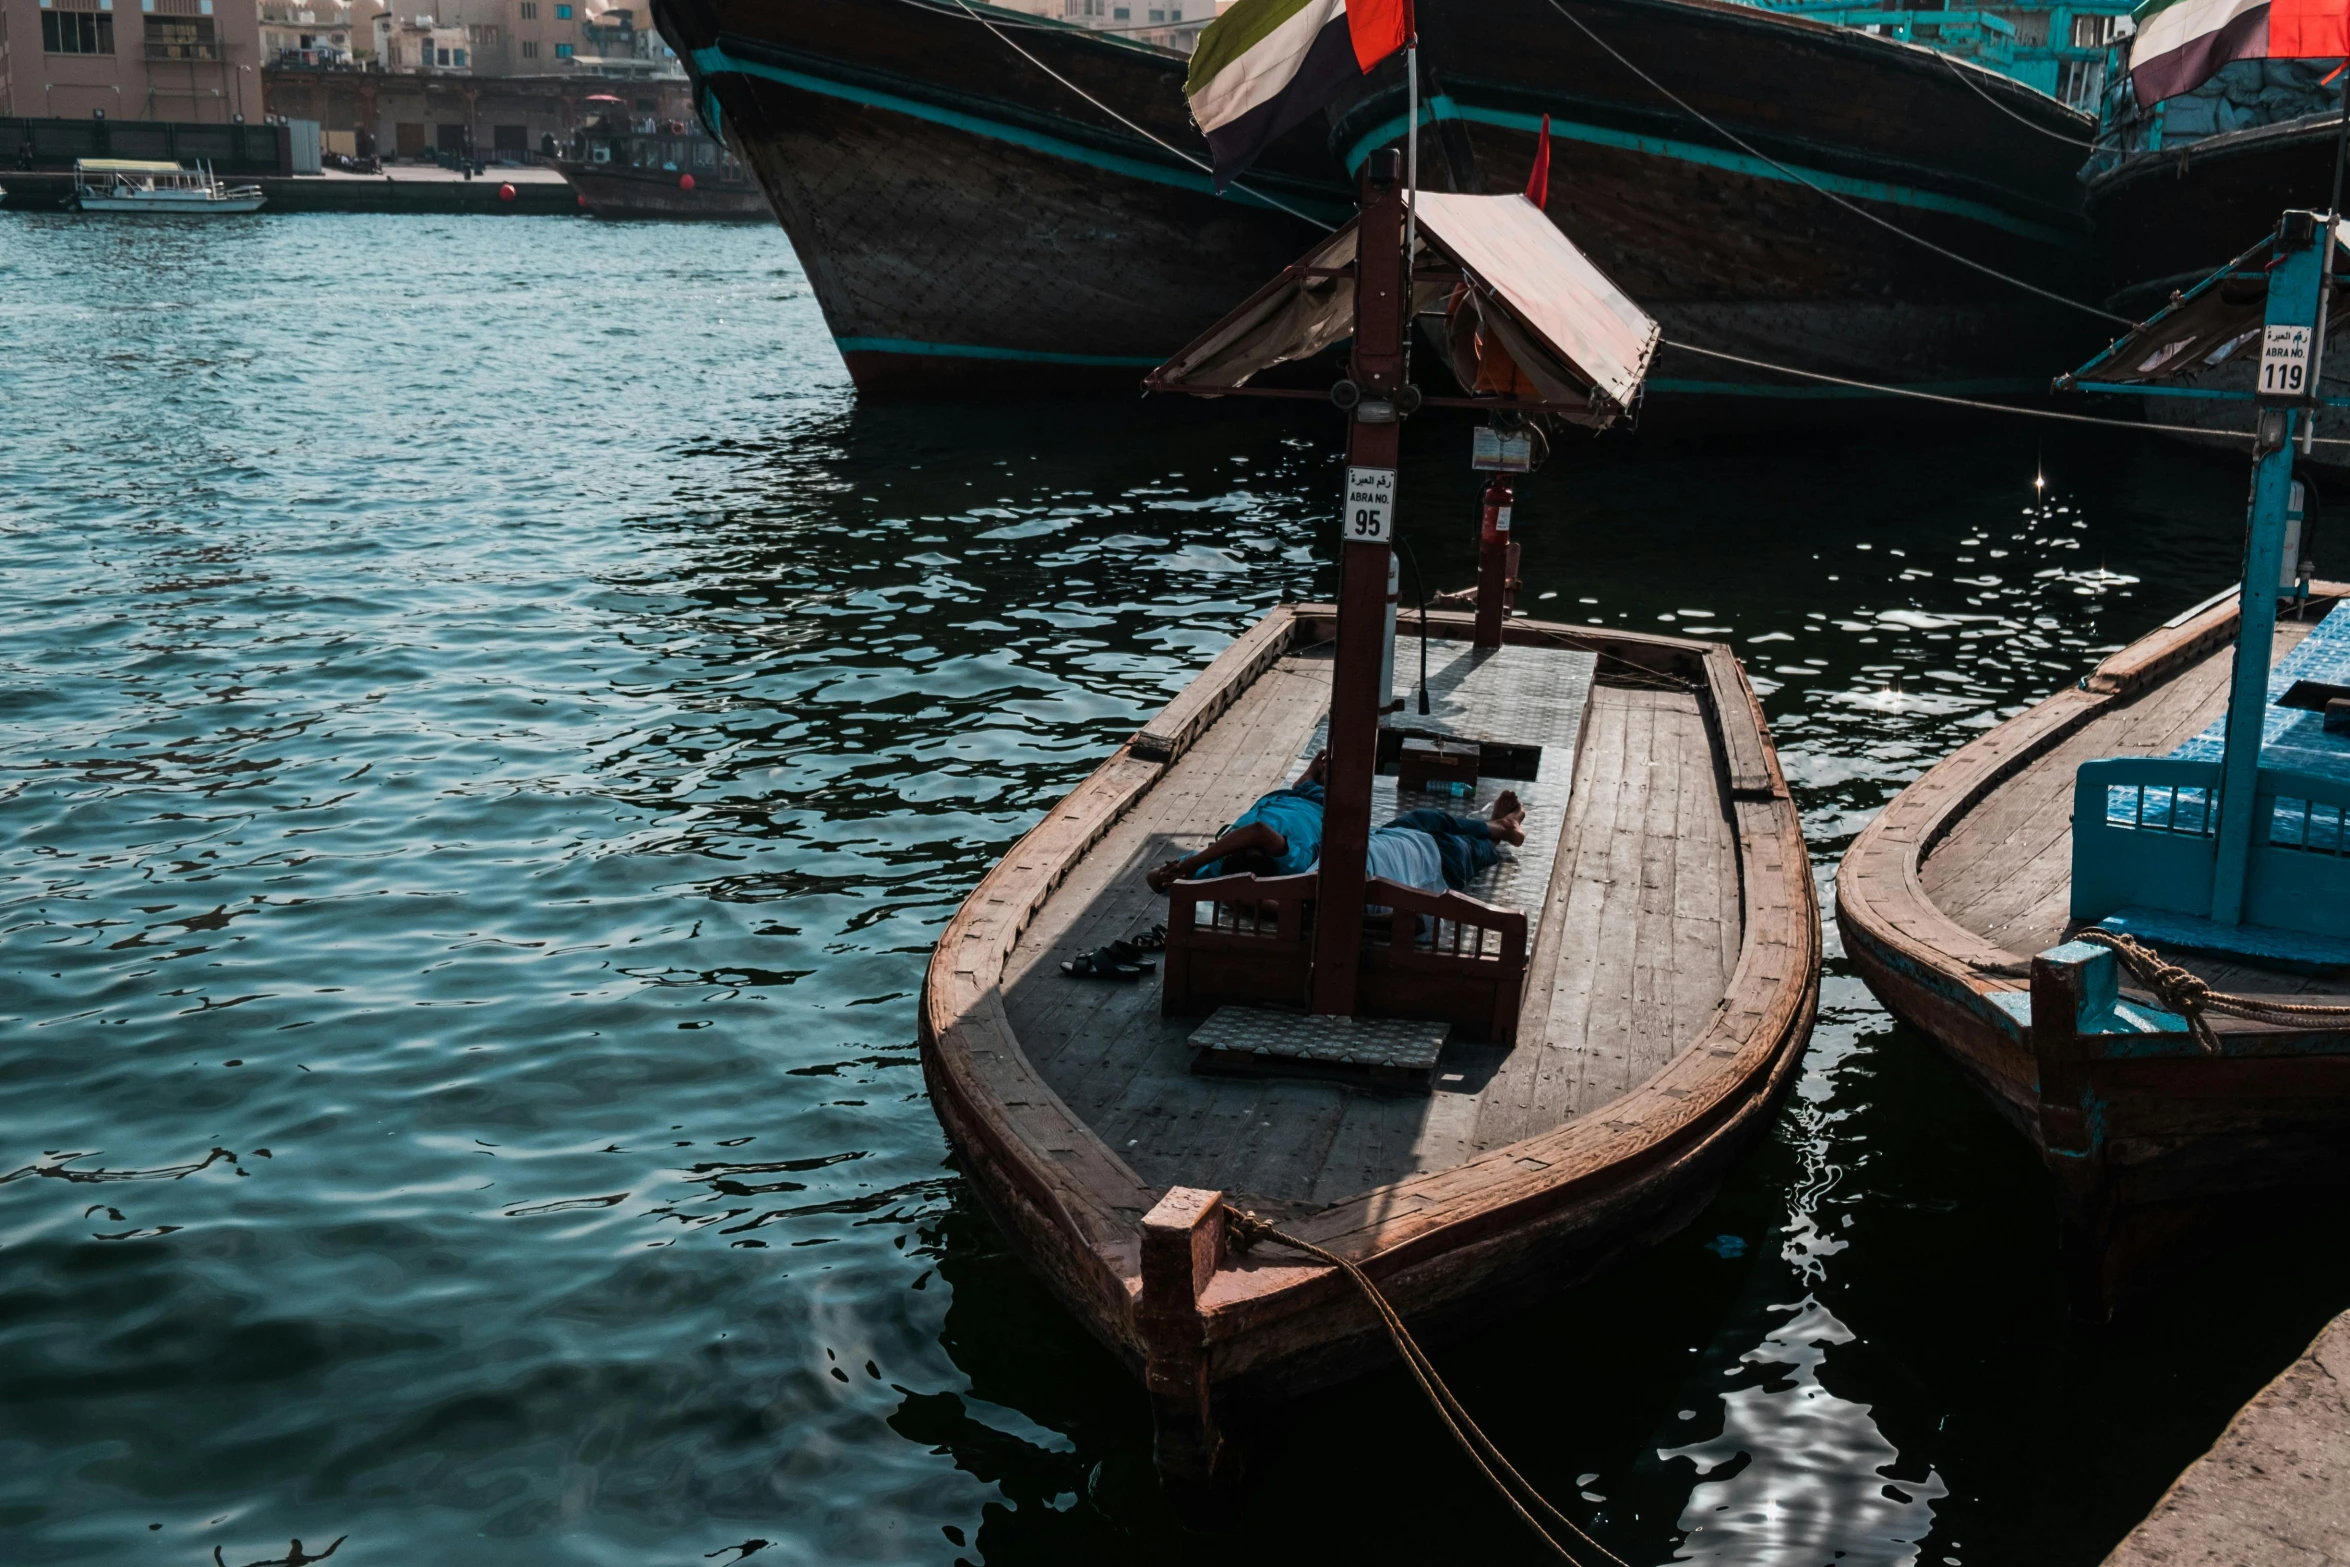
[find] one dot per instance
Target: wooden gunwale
(1074, 1206)
(1941, 977)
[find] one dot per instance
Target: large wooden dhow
(971, 223)
(1469, 1087)
(2125, 913)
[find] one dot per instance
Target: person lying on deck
(1280, 835)
(1435, 850)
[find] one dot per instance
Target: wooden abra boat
(1466, 1086)
(1668, 965)
(1945, 897)
(2125, 914)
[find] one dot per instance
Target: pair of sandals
(1120, 960)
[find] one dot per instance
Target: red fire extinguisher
(1500, 496)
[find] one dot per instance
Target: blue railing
(2145, 837)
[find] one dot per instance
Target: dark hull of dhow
(972, 225)
(2170, 218)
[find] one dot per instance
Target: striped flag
(2180, 43)
(1265, 65)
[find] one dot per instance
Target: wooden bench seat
(1248, 940)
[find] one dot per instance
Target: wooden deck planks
(1640, 865)
(1629, 975)
(2004, 872)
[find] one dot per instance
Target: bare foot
(1508, 819)
(1164, 876)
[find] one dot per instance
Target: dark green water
(489, 730)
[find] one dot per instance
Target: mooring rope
(2188, 994)
(1517, 1490)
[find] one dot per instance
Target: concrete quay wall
(2274, 1491)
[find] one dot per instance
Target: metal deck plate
(2290, 736)
(1508, 696)
(1254, 1038)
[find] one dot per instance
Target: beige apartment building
(518, 38)
(185, 60)
(1171, 24)
(314, 32)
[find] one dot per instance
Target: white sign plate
(1369, 516)
(2284, 361)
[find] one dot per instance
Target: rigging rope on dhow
(1165, 146)
(1960, 72)
(1515, 1489)
(1976, 403)
(1796, 175)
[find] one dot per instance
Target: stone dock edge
(2271, 1491)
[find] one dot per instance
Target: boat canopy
(1570, 342)
(125, 166)
(2202, 328)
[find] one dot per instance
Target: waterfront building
(184, 60)
(315, 32)
(500, 118)
(1171, 24)
(2062, 47)
(518, 38)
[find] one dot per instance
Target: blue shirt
(1406, 855)
(1296, 814)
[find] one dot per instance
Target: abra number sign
(2284, 362)
(1369, 517)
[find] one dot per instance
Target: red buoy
(582, 200)
(685, 182)
(506, 192)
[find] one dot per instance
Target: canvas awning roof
(2215, 323)
(1577, 338)
(125, 166)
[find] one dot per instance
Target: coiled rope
(1514, 1488)
(2187, 993)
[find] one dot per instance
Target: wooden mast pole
(1367, 527)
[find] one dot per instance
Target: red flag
(1377, 28)
(1538, 182)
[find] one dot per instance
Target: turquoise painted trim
(1666, 383)
(1442, 107)
(715, 61)
(908, 345)
(2212, 396)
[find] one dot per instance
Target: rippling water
(489, 730)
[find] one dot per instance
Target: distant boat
(667, 171)
(973, 226)
(179, 190)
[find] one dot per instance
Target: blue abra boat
(2125, 914)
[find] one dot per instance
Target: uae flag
(1264, 65)
(2180, 43)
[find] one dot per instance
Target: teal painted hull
(973, 226)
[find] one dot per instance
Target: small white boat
(132, 185)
